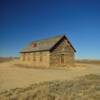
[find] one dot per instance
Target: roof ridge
(48, 38)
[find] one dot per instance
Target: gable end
(63, 37)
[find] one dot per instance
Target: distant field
(19, 79)
(5, 59)
(88, 61)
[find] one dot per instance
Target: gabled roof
(45, 44)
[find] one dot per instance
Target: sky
(22, 21)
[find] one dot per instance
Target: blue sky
(22, 21)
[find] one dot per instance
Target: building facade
(56, 51)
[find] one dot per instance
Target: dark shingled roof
(44, 45)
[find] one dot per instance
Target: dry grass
(5, 59)
(83, 88)
(87, 61)
(16, 80)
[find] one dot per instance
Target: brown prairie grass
(87, 61)
(83, 88)
(6, 59)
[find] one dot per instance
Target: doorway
(62, 58)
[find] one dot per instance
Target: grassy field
(82, 88)
(5, 59)
(75, 83)
(87, 61)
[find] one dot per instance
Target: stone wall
(62, 49)
(36, 59)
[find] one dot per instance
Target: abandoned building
(56, 51)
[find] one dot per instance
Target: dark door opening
(62, 58)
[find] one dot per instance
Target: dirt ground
(12, 76)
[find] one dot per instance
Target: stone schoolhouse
(56, 51)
